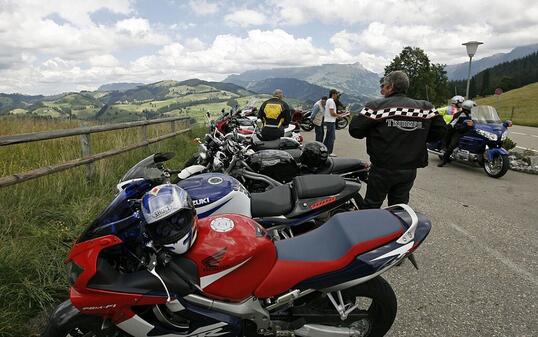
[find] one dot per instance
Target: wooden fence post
(144, 133)
(173, 126)
(512, 114)
(85, 142)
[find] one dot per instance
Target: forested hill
(507, 76)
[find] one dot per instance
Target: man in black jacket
(396, 128)
(276, 116)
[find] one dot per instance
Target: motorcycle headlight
(74, 272)
(504, 135)
(489, 135)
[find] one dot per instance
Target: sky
(48, 47)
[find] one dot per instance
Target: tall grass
(523, 100)
(40, 219)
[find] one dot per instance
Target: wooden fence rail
(87, 157)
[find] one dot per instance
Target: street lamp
(471, 46)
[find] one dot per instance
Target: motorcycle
(306, 123)
(279, 159)
(247, 126)
(285, 210)
(235, 280)
(342, 121)
(482, 145)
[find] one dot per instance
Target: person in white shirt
(330, 119)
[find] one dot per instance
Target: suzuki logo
(199, 202)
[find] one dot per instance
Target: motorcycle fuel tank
(233, 255)
(217, 193)
(276, 164)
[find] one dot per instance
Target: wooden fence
(85, 141)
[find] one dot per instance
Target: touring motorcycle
(482, 145)
(235, 280)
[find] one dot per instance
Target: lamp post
(471, 46)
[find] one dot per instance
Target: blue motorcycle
(482, 145)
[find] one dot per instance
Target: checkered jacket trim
(405, 112)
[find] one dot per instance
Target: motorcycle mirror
(507, 123)
(163, 156)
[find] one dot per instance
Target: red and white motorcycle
(235, 280)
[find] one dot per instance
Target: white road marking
(535, 136)
(498, 256)
(525, 148)
(518, 133)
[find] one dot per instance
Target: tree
(485, 87)
(427, 80)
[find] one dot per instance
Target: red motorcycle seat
(329, 248)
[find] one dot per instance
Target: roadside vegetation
(40, 219)
(523, 101)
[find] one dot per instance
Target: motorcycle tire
(380, 314)
(500, 170)
(307, 125)
(341, 123)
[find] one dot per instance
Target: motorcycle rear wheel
(375, 321)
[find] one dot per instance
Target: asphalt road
(479, 266)
(524, 136)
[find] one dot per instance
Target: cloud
(203, 7)
(134, 26)
(245, 18)
(188, 58)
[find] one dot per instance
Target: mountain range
(352, 79)
(459, 71)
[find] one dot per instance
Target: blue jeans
(319, 133)
(330, 136)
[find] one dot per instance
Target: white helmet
(468, 105)
(457, 100)
(170, 217)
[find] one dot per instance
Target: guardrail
(85, 141)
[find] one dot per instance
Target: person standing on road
(276, 116)
(318, 110)
(330, 120)
(396, 128)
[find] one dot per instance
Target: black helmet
(170, 217)
(314, 155)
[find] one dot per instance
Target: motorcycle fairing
(498, 151)
(202, 323)
(328, 248)
(232, 259)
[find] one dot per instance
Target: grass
(524, 100)
(41, 218)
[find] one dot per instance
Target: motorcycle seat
(329, 248)
(277, 201)
(317, 185)
(341, 165)
(281, 143)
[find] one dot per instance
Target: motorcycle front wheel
(341, 123)
(497, 167)
(377, 306)
(307, 125)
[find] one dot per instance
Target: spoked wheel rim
(494, 166)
